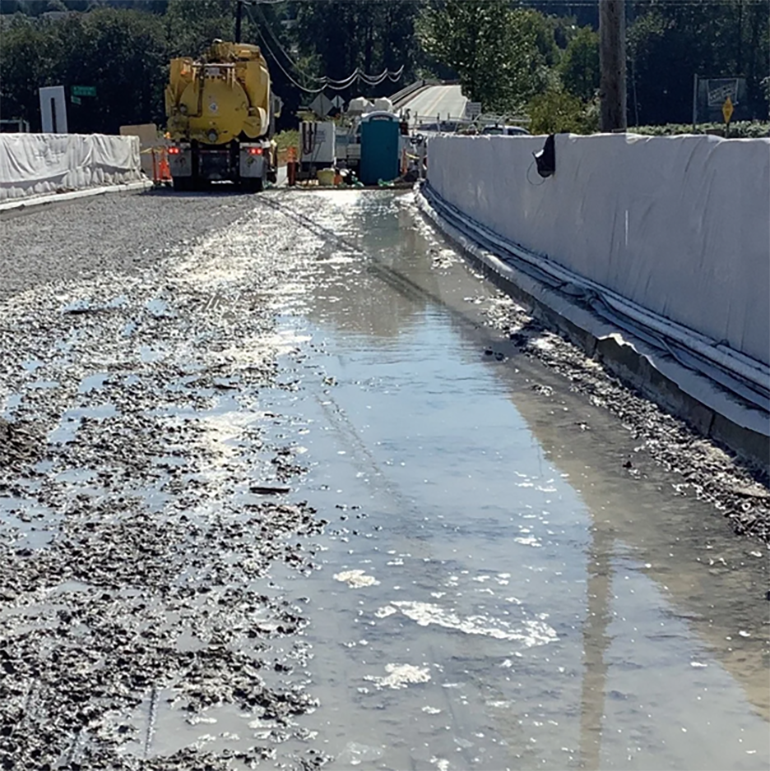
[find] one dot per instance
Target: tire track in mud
(137, 621)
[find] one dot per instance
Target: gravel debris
(133, 479)
(740, 491)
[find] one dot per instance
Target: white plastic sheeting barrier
(678, 225)
(35, 164)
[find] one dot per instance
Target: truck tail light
(255, 151)
(173, 151)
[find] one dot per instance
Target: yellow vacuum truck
(221, 118)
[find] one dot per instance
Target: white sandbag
(36, 164)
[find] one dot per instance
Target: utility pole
(238, 19)
(612, 57)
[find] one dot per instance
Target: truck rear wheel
(183, 184)
(253, 184)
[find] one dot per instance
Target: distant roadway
(447, 102)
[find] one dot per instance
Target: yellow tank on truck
(222, 96)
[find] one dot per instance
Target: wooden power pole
(612, 56)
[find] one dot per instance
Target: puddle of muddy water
(497, 592)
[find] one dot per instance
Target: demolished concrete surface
(132, 543)
(148, 498)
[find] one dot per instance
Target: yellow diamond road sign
(727, 109)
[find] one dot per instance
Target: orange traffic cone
(165, 169)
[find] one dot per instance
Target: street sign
(321, 105)
(728, 109)
(83, 90)
(472, 109)
(338, 102)
(709, 96)
(53, 109)
(76, 100)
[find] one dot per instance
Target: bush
(740, 130)
(286, 139)
(555, 112)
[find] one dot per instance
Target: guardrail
(409, 91)
(451, 125)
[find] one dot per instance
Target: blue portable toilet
(380, 132)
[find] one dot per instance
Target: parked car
(509, 131)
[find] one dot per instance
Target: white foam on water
(356, 579)
(400, 676)
(529, 541)
(530, 633)
(356, 753)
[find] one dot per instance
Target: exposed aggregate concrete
(136, 534)
(133, 550)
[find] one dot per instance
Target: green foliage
(122, 53)
(739, 130)
(506, 53)
(670, 42)
(491, 47)
(25, 64)
(556, 111)
(545, 55)
(191, 25)
(286, 139)
(579, 65)
(342, 35)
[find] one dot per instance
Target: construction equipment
(221, 118)
(317, 147)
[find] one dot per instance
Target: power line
(357, 74)
(326, 82)
(292, 63)
(283, 69)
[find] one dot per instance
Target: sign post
(695, 103)
(53, 110)
(727, 114)
(321, 105)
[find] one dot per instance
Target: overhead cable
(284, 71)
(323, 81)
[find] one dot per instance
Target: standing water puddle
(497, 591)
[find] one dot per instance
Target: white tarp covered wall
(34, 164)
(679, 225)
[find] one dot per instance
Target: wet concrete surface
(293, 496)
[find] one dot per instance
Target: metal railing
(451, 124)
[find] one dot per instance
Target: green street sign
(76, 100)
(83, 90)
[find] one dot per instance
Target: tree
(545, 55)
(579, 65)
(491, 47)
(120, 53)
(191, 25)
(343, 35)
(666, 47)
(557, 111)
(25, 65)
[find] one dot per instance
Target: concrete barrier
(657, 266)
(38, 164)
(680, 226)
